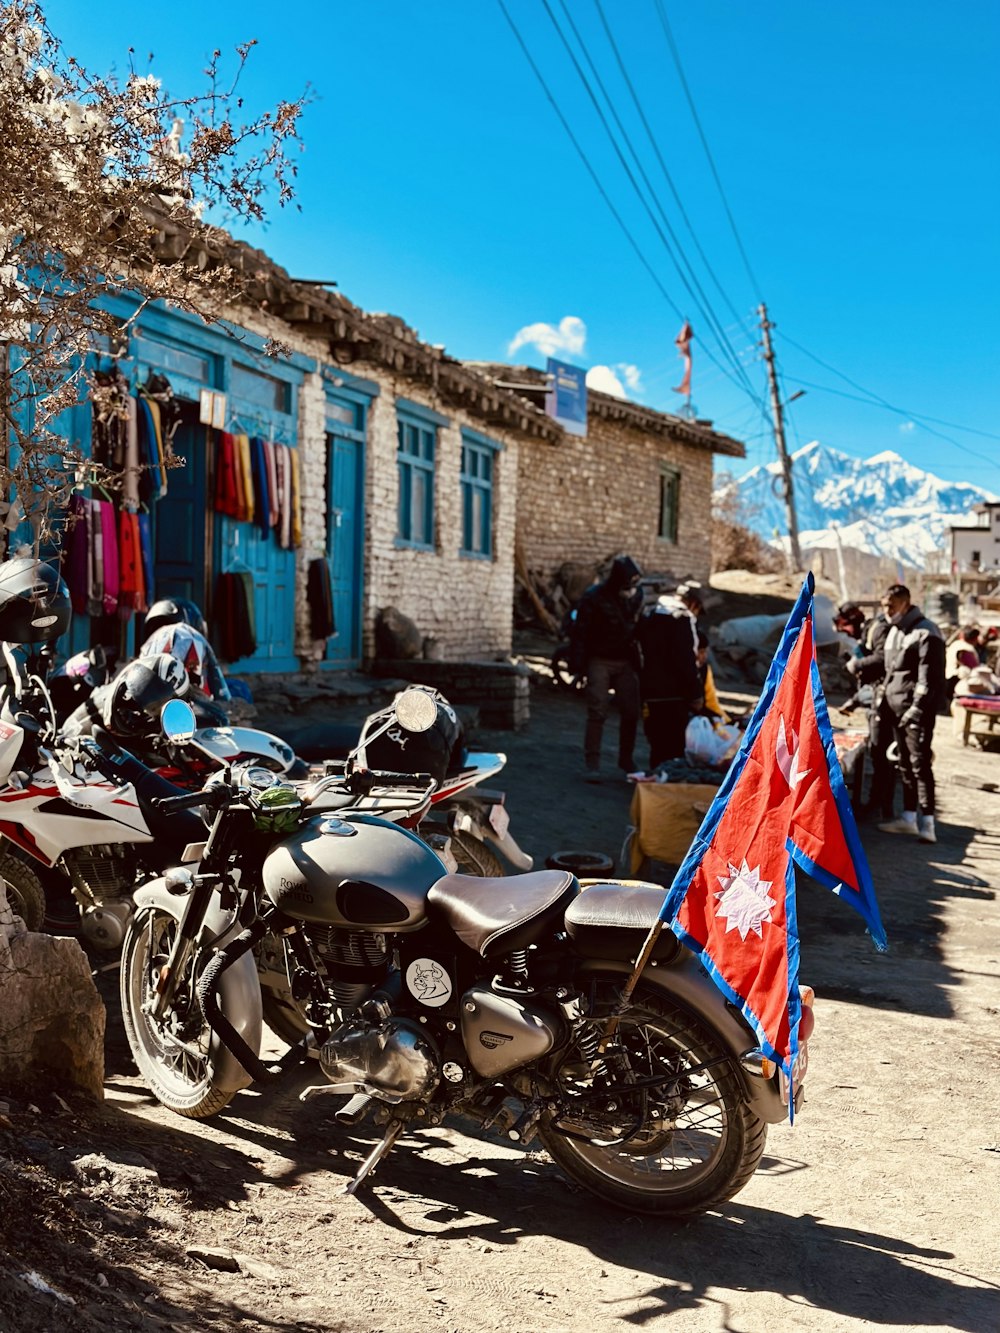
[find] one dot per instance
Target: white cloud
(906, 427)
(604, 380)
(631, 375)
(570, 336)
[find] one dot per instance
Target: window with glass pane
(477, 498)
(670, 491)
(417, 443)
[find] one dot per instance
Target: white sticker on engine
(429, 982)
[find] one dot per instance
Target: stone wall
(500, 691)
(463, 604)
(586, 498)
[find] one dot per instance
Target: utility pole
(779, 439)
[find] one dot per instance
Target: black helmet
(135, 699)
(34, 601)
(174, 611)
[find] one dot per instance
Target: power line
(640, 255)
(899, 411)
(704, 143)
(917, 416)
(663, 166)
(704, 309)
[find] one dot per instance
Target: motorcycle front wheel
(25, 893)
(173, 1054)
(661, 1125)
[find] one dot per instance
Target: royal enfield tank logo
(429, 982)
(491, 1040)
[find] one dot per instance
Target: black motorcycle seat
(612, 919)
(495, 916)
(178, 828)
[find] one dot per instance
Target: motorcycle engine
(103, 878)
(394, 1061)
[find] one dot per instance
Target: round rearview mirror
(415, 710)
(177, 720)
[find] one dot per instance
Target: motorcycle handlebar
(213, 797)
(360, 783)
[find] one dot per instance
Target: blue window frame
(416, 455)
(476, 480)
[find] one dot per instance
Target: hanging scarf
(109, 540)
(95, 562)
(75, 554)
(296, 505)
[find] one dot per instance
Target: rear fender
(239, 985)
(685, 982)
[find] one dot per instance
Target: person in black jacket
(670, 684)
(604, 647)
(867, 666)
(913, 691)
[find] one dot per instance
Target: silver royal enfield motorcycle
(430, 994)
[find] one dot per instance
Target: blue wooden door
(345, 544)
(244, 548)
(179, 520)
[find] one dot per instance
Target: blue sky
(856, 145)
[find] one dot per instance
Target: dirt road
(876, 1211)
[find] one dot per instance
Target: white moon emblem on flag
(744, 900)
(787, 754)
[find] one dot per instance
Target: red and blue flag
(783, 802)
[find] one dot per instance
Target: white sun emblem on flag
(744, 900)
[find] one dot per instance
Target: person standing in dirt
(913, 691)
(604, 648)
(670, 684)
(867, 666)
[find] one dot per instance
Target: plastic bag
(705, 744)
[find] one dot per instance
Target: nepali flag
(783, 800)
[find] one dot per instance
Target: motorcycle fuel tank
(357, 873)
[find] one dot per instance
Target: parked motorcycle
(432, 994)
(474, 817)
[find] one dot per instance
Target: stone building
(422, 479)
(407, 466)
(639, 481)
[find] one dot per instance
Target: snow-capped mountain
(881, 505)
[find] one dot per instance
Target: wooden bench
(986, 705)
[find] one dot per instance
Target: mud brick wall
(587, 498)
(501, 691)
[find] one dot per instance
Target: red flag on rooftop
(683, 343)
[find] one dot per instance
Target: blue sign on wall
(566, 398)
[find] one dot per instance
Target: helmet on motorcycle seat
(135, 699)
(171, 671)
(174, 611)
(34, 601)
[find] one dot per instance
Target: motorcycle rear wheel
(702, 1150)
(25, 893)
(174, 1057)
(475, 857)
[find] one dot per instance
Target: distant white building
(975, 546)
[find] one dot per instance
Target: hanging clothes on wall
(234, 619)
(109, 542)
(319, 594)
(262, 500)
(95, 560)
(76, 553)
(296, 503)
(225, 495)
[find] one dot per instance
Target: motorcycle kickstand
(367, 1167)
